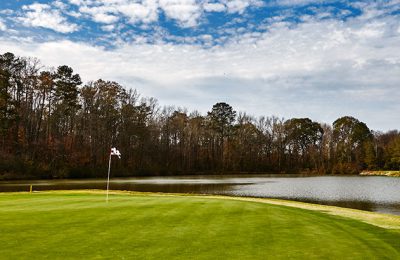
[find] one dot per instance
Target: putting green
(81, 225)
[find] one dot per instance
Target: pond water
(372, 193)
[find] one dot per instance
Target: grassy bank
(381, 173)
(81, 225)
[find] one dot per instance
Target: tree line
(54, 126)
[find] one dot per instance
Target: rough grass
(81, 225)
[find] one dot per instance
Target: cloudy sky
(299, 58)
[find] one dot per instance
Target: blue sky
(300, 58)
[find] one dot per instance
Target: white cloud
(146, 12)
(108, 28)
(237, 6)
(214, 7)
(42, 15)
(6, 11)
(82, 2)
(100, 14)
(105, 18)
(186, 13)
(73, 14)
(371, 30)
(298, 2)
(3, 26)
(59, 4)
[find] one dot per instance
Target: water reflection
(372, 193)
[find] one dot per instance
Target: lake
(372, 193)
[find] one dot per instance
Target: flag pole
(108, 177)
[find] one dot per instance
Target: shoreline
(382, 220)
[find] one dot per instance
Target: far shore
(381, 173)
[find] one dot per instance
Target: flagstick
(108, 178)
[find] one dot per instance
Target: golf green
(58, 225)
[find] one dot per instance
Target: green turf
(83, 226)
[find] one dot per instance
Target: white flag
(114, 151)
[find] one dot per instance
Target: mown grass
(61, 225)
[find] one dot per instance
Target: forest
(52, 125)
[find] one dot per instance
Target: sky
(299, 58)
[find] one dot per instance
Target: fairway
(81, 225)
